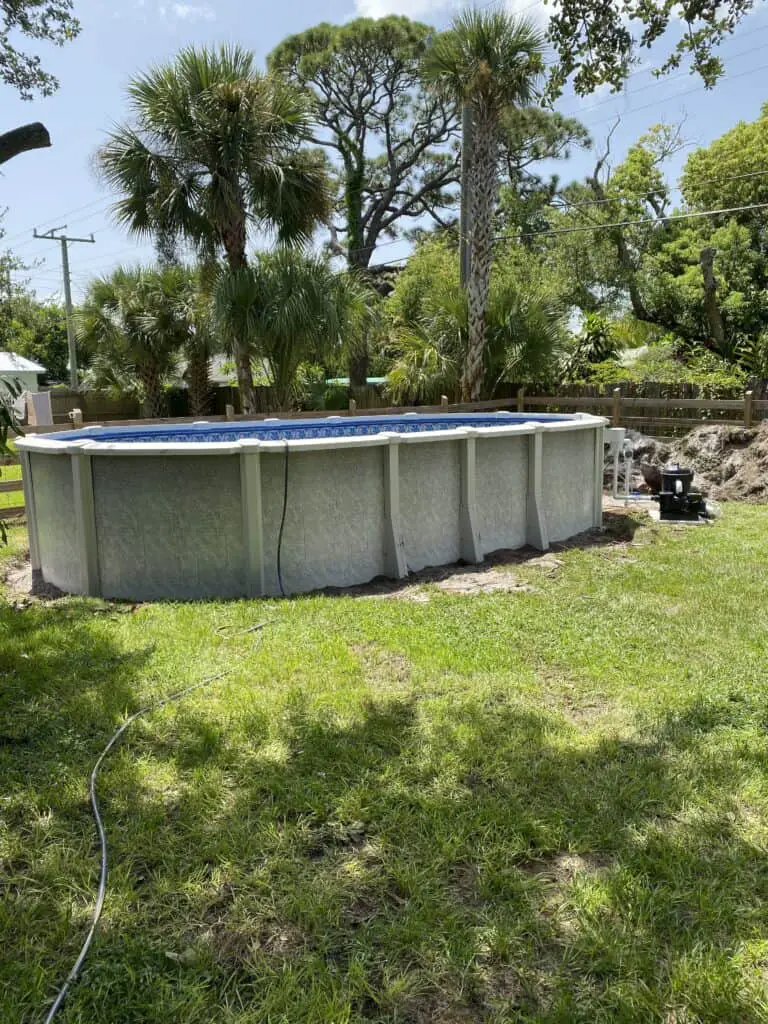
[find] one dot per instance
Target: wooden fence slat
(672, 421)
(578, 400)
(684, 403)
(10, 485)
(12, 513)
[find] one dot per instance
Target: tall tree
(492, 61)
(392, 143)
(603, 255)
(216, 149)
(597, 41)
(531, 135)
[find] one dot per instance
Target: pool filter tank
(676, 499)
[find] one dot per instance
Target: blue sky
(51, 187)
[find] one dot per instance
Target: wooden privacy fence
(648, 414)
(640, 412)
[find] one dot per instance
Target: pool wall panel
(55, 516)
(169, 526)
(567, 488)
(334, 523)
(502, 492)
(430, 494)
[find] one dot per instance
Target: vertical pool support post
(536, 524)
(469, 535)
(253, 528)
(85, 520)
(29, 505)
(394, 544)
(597, 518)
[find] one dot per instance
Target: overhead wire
(661, 80)
(634, 223)
(655, 191)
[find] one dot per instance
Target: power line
(662, 80)
(677, 95)
(634, 223)
(661, 188)
(58, 217)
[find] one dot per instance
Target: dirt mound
(729, 463)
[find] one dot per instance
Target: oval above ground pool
(205, 509)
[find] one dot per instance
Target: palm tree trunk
(484, 189)
(234, 246)
(199, 383)
(153, 405)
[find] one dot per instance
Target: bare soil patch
(729, 463)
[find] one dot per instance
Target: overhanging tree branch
(23, 139)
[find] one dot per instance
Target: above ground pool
(263, 506)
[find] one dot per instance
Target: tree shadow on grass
(490, 863)
(64, 686)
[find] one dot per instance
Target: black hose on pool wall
(72, 976)
(282, 525)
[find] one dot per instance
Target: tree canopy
(49, 21)
(392, 143)
(598, 41)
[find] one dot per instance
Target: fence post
(352, 405)
(229, 411)
(748, 409)
(521, 399)
(443, 399)
(616, 415)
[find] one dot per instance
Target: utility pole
(51, 236)
(465, 213)
(7, 286)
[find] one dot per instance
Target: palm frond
(491, 57)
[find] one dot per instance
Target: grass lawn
(544, 806)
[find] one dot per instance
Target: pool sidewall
(188, 520)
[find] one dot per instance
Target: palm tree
(525, 327)
(215, 148)
(131, 323)
(492, 61)
(296, 310)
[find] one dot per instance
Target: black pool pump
(676, 499)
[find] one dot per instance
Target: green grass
(543, 807)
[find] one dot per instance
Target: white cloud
(189, 12)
